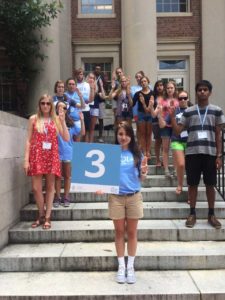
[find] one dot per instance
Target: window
(171, 6)
(175, 70)
(97, 7)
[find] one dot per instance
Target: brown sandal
(38, 222)
(47, 223)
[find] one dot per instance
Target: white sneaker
(121, 275)
(131, 278)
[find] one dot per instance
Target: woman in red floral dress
(42, 156)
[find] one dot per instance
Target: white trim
(174, 14)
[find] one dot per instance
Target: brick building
(169, 39)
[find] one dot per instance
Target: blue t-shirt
(73, 99)
(66, 148)
(129, 174)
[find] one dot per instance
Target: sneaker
(66, 202)
(100, 140)
(56, 202)
(121, 275)
(131, 278)
(214, 222)
(191, 220)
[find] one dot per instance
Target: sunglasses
(182, 98)
(46, 103)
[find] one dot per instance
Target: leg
(119, 226)
(131, 236)
(158, 143)
(148, 139)
(141, 135)
(67, 182)
(92, 128)
(101, 126)
(165, 147)
(38, 195)
(179, 165)
(58, 184)
(50, 190)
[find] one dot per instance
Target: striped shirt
(193, 124)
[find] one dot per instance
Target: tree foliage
(21, 22)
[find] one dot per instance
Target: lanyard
(46, 128)
(202, 121)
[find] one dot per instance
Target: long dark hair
(133, 146)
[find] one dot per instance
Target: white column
(139, 37)
(58, 64)
(213, 47)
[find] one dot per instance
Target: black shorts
(198, 164)
(87, 120)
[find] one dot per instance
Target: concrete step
(102, 256)
(162, 181)
(103, 231)
(150, 285)
(99, 211)
(158, 194)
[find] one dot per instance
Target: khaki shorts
(121, 207)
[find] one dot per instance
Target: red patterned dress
(44, 161)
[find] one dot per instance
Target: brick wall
(184, 27)
(92, 28)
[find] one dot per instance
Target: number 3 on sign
(97, 163)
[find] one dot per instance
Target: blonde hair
(119, 90)
(52, 115)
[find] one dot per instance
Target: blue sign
(96, 167)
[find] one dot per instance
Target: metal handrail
(220, 173)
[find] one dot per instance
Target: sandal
(38, 222)
(178, 190)
(46, 224)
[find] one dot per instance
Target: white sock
(130, 262)
(121, 261)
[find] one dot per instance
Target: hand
(26, 167)
(141, 98)
(218, 163)
(61, 115)
(151, 101)
(99, 192)
(171, 110)
(144, 166)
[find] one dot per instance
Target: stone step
(102, 256)
(99, 211)
(162, 181)
(103, 231)
(158, 194)
(150, 285)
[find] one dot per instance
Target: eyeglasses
(46, 103)
(71, 83)
(182, 98)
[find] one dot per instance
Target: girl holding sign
(42, 156)
(126, 208)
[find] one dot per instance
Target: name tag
(184, 134)
(46, 146)
(202, 135)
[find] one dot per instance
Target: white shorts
(94, 112)
(101, 110)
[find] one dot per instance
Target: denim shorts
(166, 132)
(144, 117)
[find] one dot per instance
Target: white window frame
(176, 14)
(180, 49)
(96, 16)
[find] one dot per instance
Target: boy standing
(203, 154)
